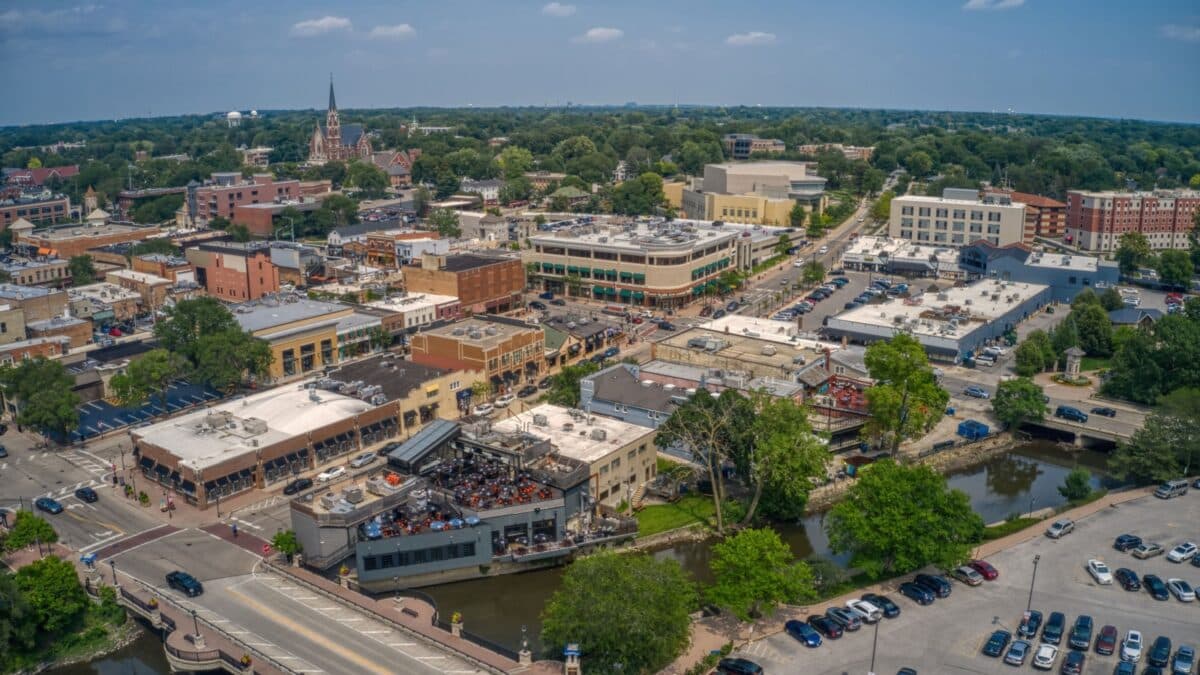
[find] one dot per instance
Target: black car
(1055, 625)
(1029, 627)
(1073, 664)
(1127, 542)
(527, 390)
(1128, 579)
(184, 583)
(559, 302)
(3, 452)
(1081, 633)
(48, 504)
(844, 618)
(996, 643)
(734, 666)
(917, 593)
(1160, 652)
(1104, 411)
(538, 305)
(87, 494)
(718, 314)
(938, 585)
(298, 485)
(890, 609)
(666, 325)
(732, 306)
(543, 383)
(1156, 587)
(825, 626)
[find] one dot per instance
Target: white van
(1172, 488)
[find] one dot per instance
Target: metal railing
(479, 640)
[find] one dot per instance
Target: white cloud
(400, 31)
(558, 9)
(76, 20)
(993, 4)
(752, 39)
(325, 24)
(1178, 32)
(598, 35)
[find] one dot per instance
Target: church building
(337, 142)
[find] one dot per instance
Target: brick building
(235, 272)
(77, 331)
(153, 289)
(508, 352)
(104, 303)
(224, 192)
(48, 272)
(38, 304)
(46, 348)
(262, 219)
(171, 267)
(1044, 217)
(1096, 220)
(36, 209)
(68, 241)
(390, 249)
(12, 324)
(483, 284)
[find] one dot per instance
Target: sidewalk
(712, 633)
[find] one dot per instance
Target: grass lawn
(1089, 363)
(662, 517)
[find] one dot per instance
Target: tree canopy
(148, 375)
(1018, 401)
(216, 349)
(1168, 444)
(639, 196)
(445, 222)
(44, 396)
(1158, 360)
(754, 570)
(1035, 354)
(51, 587)
(564, 385)
(82, 270)
(905, 401)
(27, 529)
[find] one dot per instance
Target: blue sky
(73, 59)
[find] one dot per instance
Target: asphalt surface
(947, 637)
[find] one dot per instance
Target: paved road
(298, 627)
(947, 636)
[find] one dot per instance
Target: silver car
(363, 460)
(1060, 528)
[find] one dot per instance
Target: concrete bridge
(1091, 433)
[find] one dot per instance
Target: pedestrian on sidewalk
(235, 530)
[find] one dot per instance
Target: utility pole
(1029, 605)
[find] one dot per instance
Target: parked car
(1056, 624)
(1073, 663)
(823, 250)
(1147, 550)
(845, 618)
(735, 666)
(976, 391)
(3, 452)
(1071, 414)
(87, 494)
(1182, 590)
(1160, 652)
(806, 634)
(1185, 660)
(985, 569)
(505, 400)
(720, 313)
(363, 460)
(1131, 646)
(538, 305)
(1106, 640)
(1125, 668)
(331, 473)
(558, 302)
(995, 645)
(967, 575)
(1029, 626)
(1128, 579)
(890, 609)
(666, 325)
(48, 505)
(1099, 572)
(1060, 528)
(825, 626)
(1104, 411)
(298, 485)
(1045, 657)
(612, 352)
(1017, 653)
(1156, 587)
(916, 593)
(1182, 553)
(483, 409)
(936, 584)
(1081, 633)
(548, 295)
(527, 391)
(544, 383)
(866, 612)
(1126, 542)
(732, 306)
(184, 583)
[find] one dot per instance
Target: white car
(1045, 657)
(823, 250)
(1060, 528)
(331, 473)
(1099, 572)
(505, 400)
(1182, 553)
(1182, 590)
(799, 262)
(483, 409)
(866, 611)
(1131, 648)
(362, 460)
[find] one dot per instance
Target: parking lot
(947, 636)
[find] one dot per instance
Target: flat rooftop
(793, 170)
(951, 313)
(771, 330)
(274, 415)
(640, 236)
(139, 277)
(485, 334)
(579, 443)
(16, 266)
(753, 355)
(867, 249)
(933, 199)
(461, 262)
(104, 292)
(1077, 263)
(84, 231)
(268, 313)
(17, 292)
(412, 302)
(395, 377)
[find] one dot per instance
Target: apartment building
(957, 218)
(506, 351)
(741, 146)
(850, 152)
(259, 156)
(1044, 217)
(47, 272)
(39, 209)
(235, 272)
(225, 191)
(482, 283)
(301, 333)
(1096, 220)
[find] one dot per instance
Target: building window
(370, 562)
(289, 362)
(386, 561)
(977, 215)
(993, 217)
(906, 210)
(455, 385)
(1071, 280)
(616, 464)
(923, 211)
(942, 213)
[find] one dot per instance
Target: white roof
(578, 443)
(141, 277)
(975, 300)
(287, 411)
(412, 302)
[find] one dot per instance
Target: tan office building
(943, 221)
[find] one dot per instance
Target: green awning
(597, 272)
(625, 293)
(626, 275)
(611, 273)
(547, 267)
(598, 290)
(610, 291)
(559, 268)
(638, 295)
(638, 276)
(698, 290)
(572, 269)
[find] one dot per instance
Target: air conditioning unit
(540, 420)
(599, 434)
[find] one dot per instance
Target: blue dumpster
(972, 430)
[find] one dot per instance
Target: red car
(985, 569)
(1106, 642)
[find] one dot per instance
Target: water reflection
(143, 657)
(1012, 474)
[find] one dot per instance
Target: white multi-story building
(954, 219)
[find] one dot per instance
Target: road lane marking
(401, 644)
(428, 658)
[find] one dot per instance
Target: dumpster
(972, 430)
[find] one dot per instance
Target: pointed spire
(332, 102)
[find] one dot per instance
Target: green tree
(1095, 329)
(813, 272)
(421, 199)
(1111, 299)
(898, 518)
(797, 215)
(27, 530)
(223, 359)
(640, 196)
(881, 210)
(1035, 354)
(754, 571)
(815, 229)
(783, 245)
(564, 386)
(157, 210)
(1135, 373)
(238, 232)
(592, 608)
(1133, 251)
(513, 161)
(1168, 444)
(33, 163)
(370, 181)
(161, 246)
(42, 391)
(1018, 401)
(783, 458)
(218, 223)
(445, 222)
(905, 401)
(285, 542)
(481, 390)
(1175, 267)
(919, 163)
(18, 622)
(1085, 297)
(1065, 336)
(82, 270)
(1077, 486)
(151, 373)
(52, 589)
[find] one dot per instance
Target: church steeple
(333, 127)
(332, 101)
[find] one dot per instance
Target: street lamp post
(195, 624)
(112, 562)
(1032, 579)
(874, 645)
(1032, 501)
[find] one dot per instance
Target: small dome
(254, 113)
(233, 115)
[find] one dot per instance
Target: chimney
(828, 365)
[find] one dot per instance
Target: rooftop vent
(568, 426)
(540, 420)
(599, 434)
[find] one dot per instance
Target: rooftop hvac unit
(540, 420)
(349, 387)
(328, 502)
(254, 425)
(379, 399)
(568, 426)
(353, 495)
(669, 387)
(491, 330)
(968, 301)
(599, 434)
(459, 332)
(646, 383)
(474, 335)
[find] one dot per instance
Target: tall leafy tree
(754, 571)
(1018, 401)
(1175, 267)
(218, 351)
(1035, 354)
(797, 215)
(564, 385)
(1135, 373)
(905, 400)
(28, 529)
(18, 623)
(898, 518)
(1168, 444)
(42, 391)
(783, 458)
(1111, 299)
(148, 375)
(1133, 251)
(592, 608)
(445, 222)
(1095, 329)
(52, 589)
(81, 269)
(639, 196)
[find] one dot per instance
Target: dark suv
(917, 593)
(1160, 651)
(1081, 634)
(184, 583)
(934, 583)
(1029, 628)
(1127, 542)
(734, 666)
(1055, 625)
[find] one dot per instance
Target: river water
(498, 607)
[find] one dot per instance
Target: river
(498, 607)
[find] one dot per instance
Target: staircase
(638, 496)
